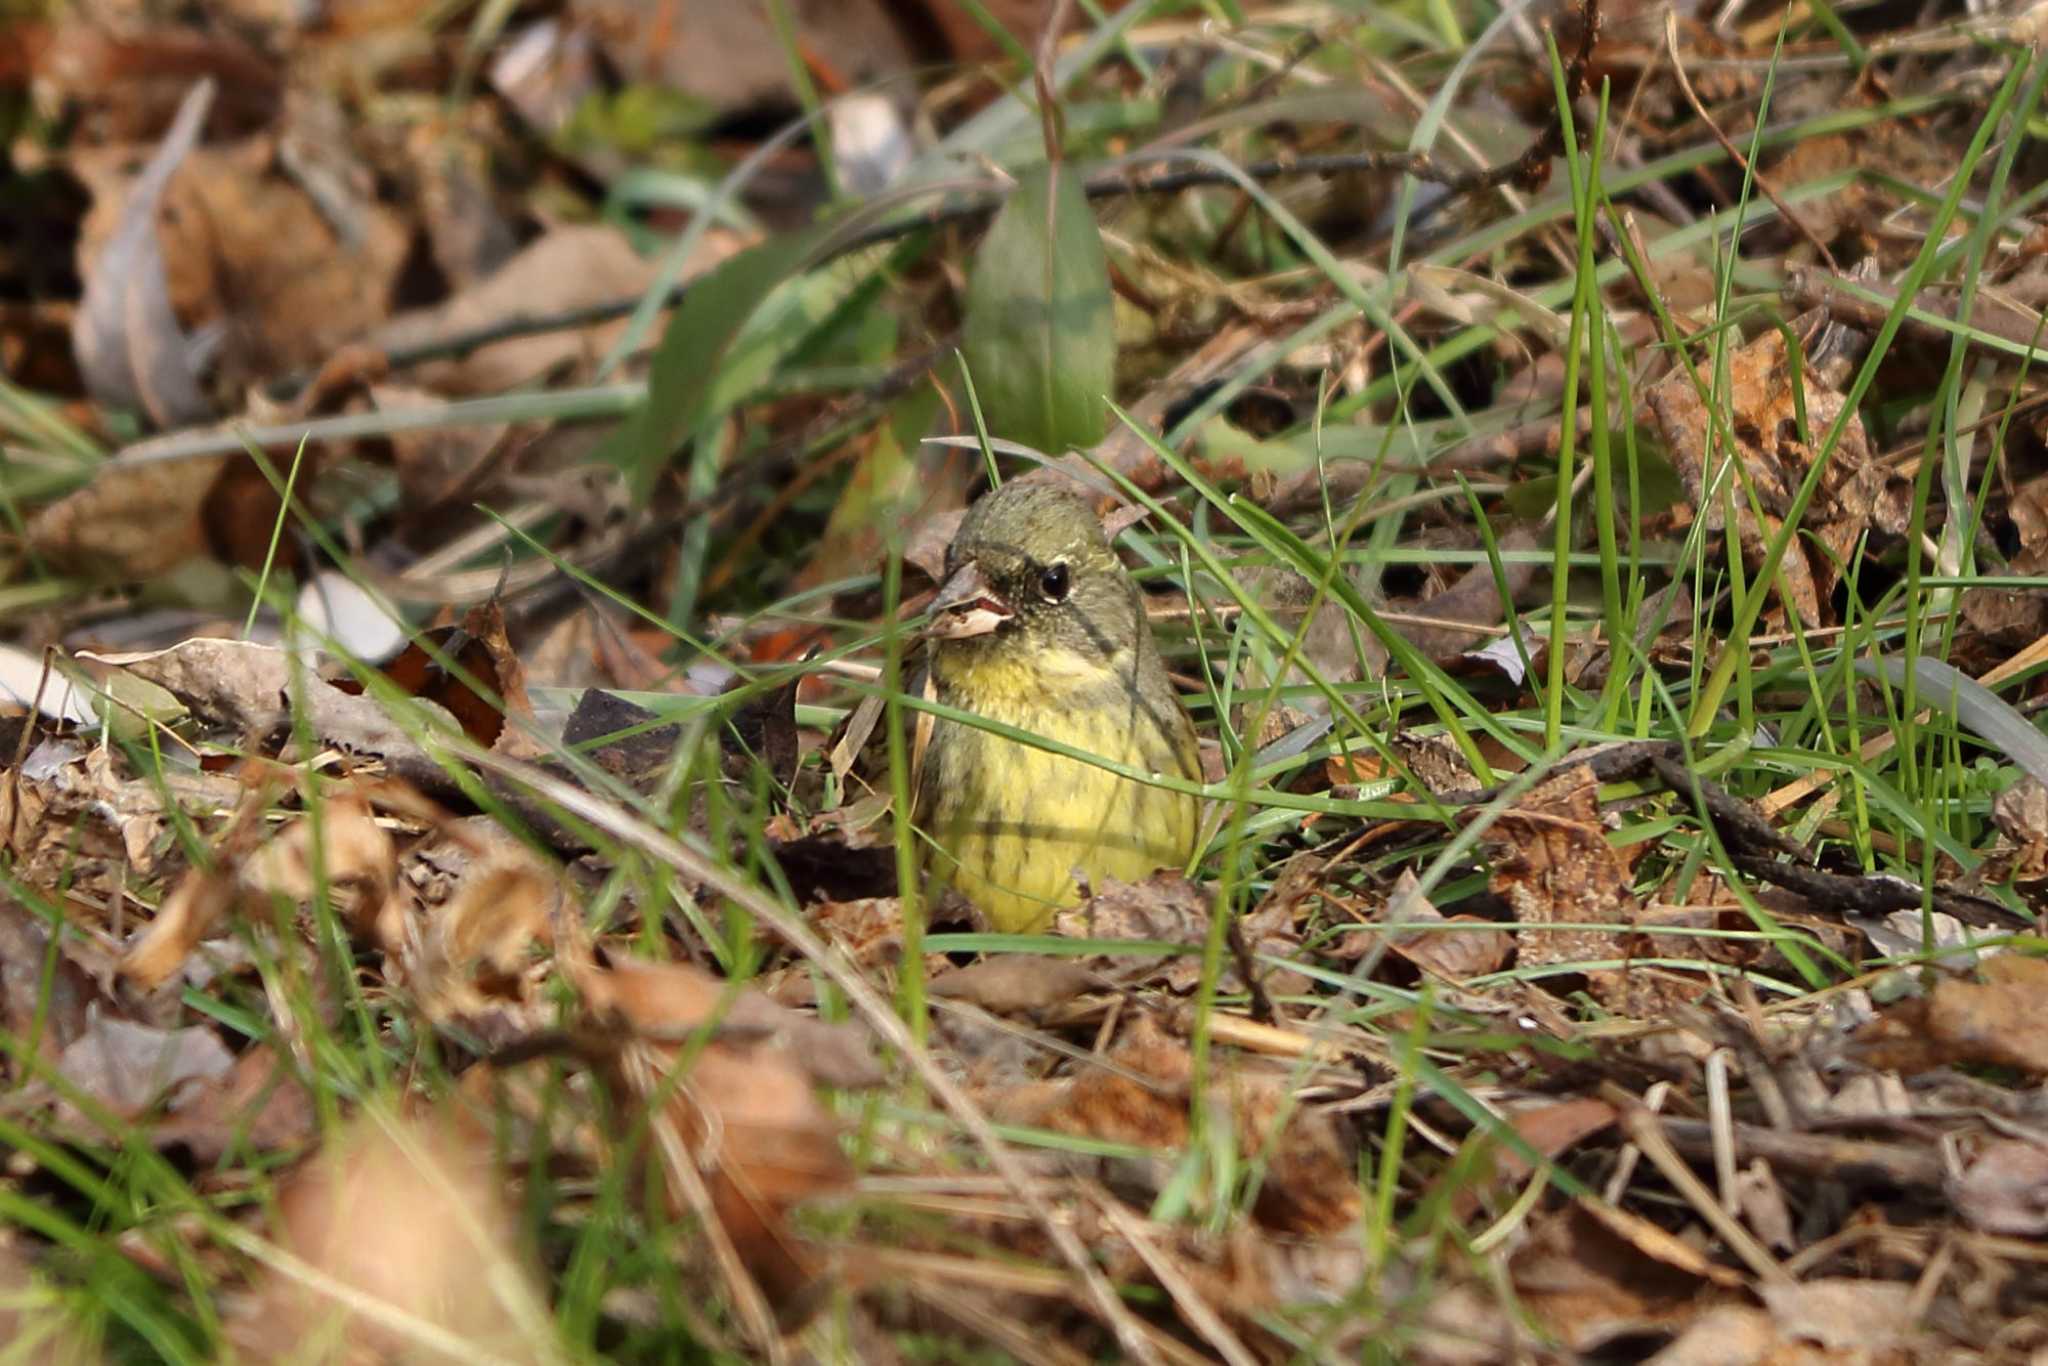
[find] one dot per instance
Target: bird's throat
(993, 675)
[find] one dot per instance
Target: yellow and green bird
(1038, 626)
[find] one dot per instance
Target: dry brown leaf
(73, 818)
(475, 912)
(1733, 1335)
(670, 1001)
(411, 1216)
(127, 1067)
(130, 346)
(2002, 1021)
(259, 1106)
(1841, 1315)
(1550, 1128)
(569, 268)
(1310, 1185)
(1017, 983)
(131, 521)
(1448, 955)
(1854, 493)
(345, 853)
(1587, 1285)
(1552, 864)
(236, 686)
(1171, 908)
(2004, 1189)
(729, 56)
(286, 255)
(741, 1131)
(238, 690)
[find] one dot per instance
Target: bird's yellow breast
(1013, 823)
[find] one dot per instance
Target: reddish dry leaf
(477, 655)
(240, 514)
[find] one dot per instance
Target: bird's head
(1030, 567)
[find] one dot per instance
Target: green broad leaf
(692, 357)
(1040, 338)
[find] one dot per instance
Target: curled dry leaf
(238, 690)
(235, 686)
(475, 912)
(1418, 933)
(668, 1002)
(345, 853)
(1018, 983)
(408, 1217)
(476, 655)
(130, 347)
(1587, 1284)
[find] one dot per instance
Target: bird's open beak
(966, 606)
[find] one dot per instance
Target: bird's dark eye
(1054, 583)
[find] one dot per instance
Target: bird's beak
(966, 606)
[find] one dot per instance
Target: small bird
(1039, 627)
